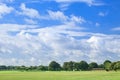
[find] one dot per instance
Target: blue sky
(35, 32)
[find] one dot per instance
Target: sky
(36, 32)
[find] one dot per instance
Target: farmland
(60, 75)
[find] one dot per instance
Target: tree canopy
(67, 66)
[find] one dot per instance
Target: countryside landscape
(69, 71)
(59, 40)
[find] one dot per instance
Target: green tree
(101, 66)
(54, 66)
(42, 68)
(3, 67)
(107, 65)
(65, 66)
(112, 67)
(116, 65)
(84, 65)
(71, 66)
(93, 65)
(76, 66)
(68, 66)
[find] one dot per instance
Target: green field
(85, 75)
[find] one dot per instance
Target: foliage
(93, 65)
(54, 66)
(67, 66)
(84, 65)
(107, 65)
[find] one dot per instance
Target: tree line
(67, 66)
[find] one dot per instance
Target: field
(85, 75)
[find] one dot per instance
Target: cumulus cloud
(8, 28)
(34, 46)
(29, 12)
(58, 15)
(4, 9)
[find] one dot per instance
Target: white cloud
(97, 24)
(89, 2)
(58, 15)
(6, 1)
(102, 14)
(64, 6)
(35, 46)
(29, 12)
(30, 21)
(6, 28)
(77, 19)
(116, 29)
(4, 9)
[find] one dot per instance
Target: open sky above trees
(34, 32)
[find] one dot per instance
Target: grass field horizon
(60, 75)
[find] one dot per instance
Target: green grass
(85, 75)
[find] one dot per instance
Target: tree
(54, 66)
(68, 66)
(71, 66)
(107, 65)
(116, 65)
(84, 65)
(42, 68)
(76, 66)
(113, 66)
(93, 65)
(3, 67)
(101, 66)
(65, 66)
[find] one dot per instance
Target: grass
(84, 75)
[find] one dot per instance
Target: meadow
(62, 75)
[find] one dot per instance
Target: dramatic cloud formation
(37, 32)
(55, 43)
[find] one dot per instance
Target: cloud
(97, 24)
(30, 21)
(2, 1)
(102, 14)
(60, 16)
(32, 45)
(6, 28)
(88, 2)
(64, 6)
(77, 19)
(29, 12)
(4, 9)
(116, 29)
